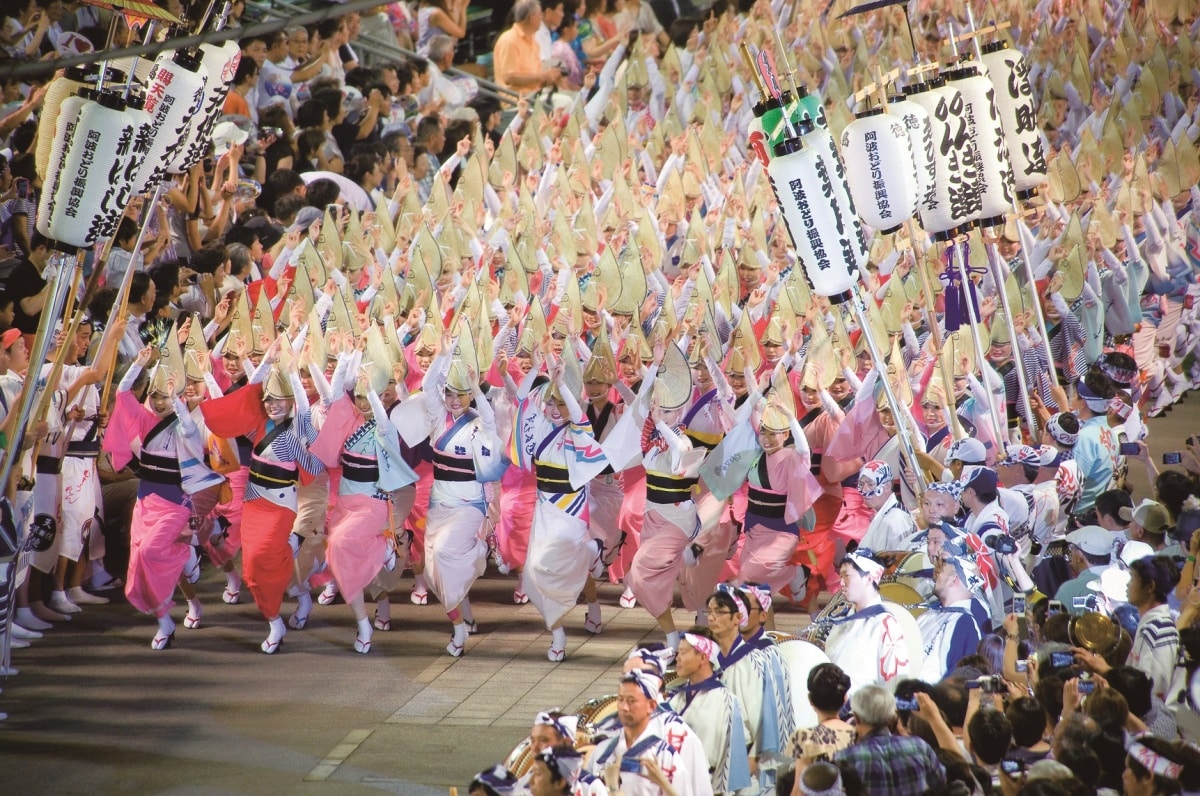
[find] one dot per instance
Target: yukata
(564, 458)
(715, 715)
(869, 646)
(782, 489)
(705, 425)
(279, 461)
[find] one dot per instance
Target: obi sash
(665, 489)
(272, 475)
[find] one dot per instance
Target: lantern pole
(1018, 358)
(899, 411)
(973, 317)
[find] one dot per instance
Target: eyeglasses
(717, 612)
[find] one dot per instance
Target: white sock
(558, 638)
(364, 629)
(166, 625)
(460, 634)
(195, 609)
(233, 580)
(419, 583)
(278, 630)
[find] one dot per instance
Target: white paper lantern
(954, 201)
(920, 138)
(220, 63)
(880, 169)
(133, 143)
(823, 235)
(57, 92)
(991, 152)
(64, 128)
(820, 139)
(175, 98)
(84, 195)
(1008, 72)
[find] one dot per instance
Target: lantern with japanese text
(880, 169)
(220, 62)
(83, 196)
(991, 151)
(1008, 72)
(66, 116)
(920, 138)
(954, 201)
(175, 95)
(820, 139)
(133, 140)
(825, 233)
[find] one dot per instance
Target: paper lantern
(920, 138)
(1008, 72)
(820, 139)
(991, 152)
(954, 201)
(767, 128)
(133, 143)
(220, 63)
(808, 106)
(826, 237)
(60, 88)
(85, 195)
(175, 98)
(66, 117)
(880, 169)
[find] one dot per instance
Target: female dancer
(553, 438)
(263, 413)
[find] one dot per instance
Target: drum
(594, 714)
(904, 595)
(912, 568)
(817, 631)
(801, 657)
(902, 601)
(520, 759)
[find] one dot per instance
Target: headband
(649, 683)
(1154, 762)
(761, 593)
(742, 608)
(1060, 435)
(564, 725)
(1120, 408)
(867, 565)
(566, 763)
(1091, 399)
(967, 571)
(705, 646)
(951, 489)
(650, 658)
(877, 475)
(498, 779)
(836, 789)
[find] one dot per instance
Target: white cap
(225, 135)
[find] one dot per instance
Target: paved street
(95, 711)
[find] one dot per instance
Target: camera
(992, 684)
(1086, 684)
(1173, 458)
(1023, 665)
(1054, 607)
(267, 132)
(909, 703)
(1061, 660)
(1012, 767)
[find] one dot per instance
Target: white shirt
(890, 528)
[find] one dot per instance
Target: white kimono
(870, 647)
(891, 528)
(687, 773)
(715, 714)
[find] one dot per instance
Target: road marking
(325, 769)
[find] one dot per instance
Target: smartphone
(1173, 458)
(1086, 686)
(22, 185)
(1055, 607)
(1012, 767)
(1061, 660)
(906, 704)
(631, 765)
(1080, 603)
(1023, 665)
(1130, 449)
(1019, 608)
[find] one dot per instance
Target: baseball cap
(10, 337)
(225, 135)
(1134, 551)
(305, 218)
(1113, 583)
(1149, 514)
(1091, 539)
(268, 233)
(981, 479)
(967, 451)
